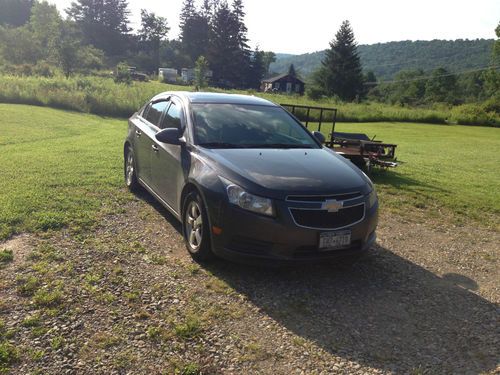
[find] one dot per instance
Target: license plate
(334, 240)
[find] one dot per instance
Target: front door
(289, 87)
(166, 169)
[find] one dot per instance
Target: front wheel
(196, 228)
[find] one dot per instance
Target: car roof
(217, 98)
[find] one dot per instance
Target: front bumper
(251, 238)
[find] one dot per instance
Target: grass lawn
(63, 169)
(442, 167)
(59, 169)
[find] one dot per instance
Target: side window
(153, 115)
(145, 110)
(172, 118)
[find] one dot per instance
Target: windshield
(247, 126)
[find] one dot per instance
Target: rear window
(153, 114)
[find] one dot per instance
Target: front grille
(323, 219)
(322, 198)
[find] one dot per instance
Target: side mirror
(319, 136)
(170, 135)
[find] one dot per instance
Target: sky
(298, 27)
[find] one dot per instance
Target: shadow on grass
(384, 312)
(398, 180)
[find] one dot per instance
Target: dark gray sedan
(247, 180)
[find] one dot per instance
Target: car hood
(279, 172)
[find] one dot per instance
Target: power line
(412, 60)
(430, 76)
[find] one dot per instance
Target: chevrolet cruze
(247, 180)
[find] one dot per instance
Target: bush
(474, 114)
(43, 69)
(314, 93)
(122, 74)
(103, 96)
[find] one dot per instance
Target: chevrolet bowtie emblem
(332, 205)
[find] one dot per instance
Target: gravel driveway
(425, 300)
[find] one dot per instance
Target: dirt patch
(423, 301)
(20, 246)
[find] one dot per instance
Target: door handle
(155, 148)
(138, 133)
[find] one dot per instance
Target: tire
(196, 228)
(129, 170)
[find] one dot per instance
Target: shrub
(43, 69)
(122, 74)
(314, 93)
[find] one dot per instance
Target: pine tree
(341, 73)
(224, 53)
(187, 12)
(195, 29)
(291, 70)
(257, 69)
(244, 53)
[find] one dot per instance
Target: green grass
(452, 167)
(6, 256)
(63, 169)
(59, 169)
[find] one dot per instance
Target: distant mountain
(386, 59)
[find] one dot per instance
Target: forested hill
(386, 59)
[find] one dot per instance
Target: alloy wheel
(194, 225)
(129, 171)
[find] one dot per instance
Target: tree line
(97, 34)
(94, 35)
(340, 74)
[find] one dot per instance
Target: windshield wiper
(219, 145)
(278, 145)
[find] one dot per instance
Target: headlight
(372, 198)
(247, 201)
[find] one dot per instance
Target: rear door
(166, 165)
(146, 128)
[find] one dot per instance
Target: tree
(257, 69)
(223, 54)
(291, 70)
(268, 58)
(18, 46)
(227, 54)
(15, 12)
(370, 77)
(45, 23)
(200, 72)
(340, 73)
(104, 23)
(153, 30)
(441, 86)
(496, 47)
(71, 55)
(408, 88)
(195, 29)
(243, 53)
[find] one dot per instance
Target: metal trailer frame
(357, 147)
